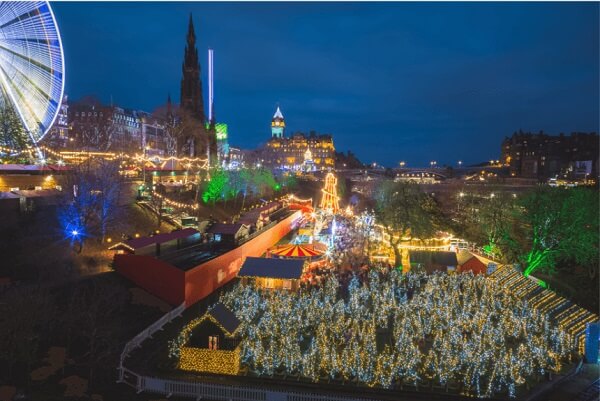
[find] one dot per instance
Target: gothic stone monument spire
(191, 84)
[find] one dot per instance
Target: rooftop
(272, 268)
(31, 168)
(434, 258)
(225, 318)
(137, 243)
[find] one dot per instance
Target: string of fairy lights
(79, 156)
(450, 329)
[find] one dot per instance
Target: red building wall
(201, 281)
(153, 275)
(175, 286)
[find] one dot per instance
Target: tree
(185, 134)
(216, 187)
(78, 208)
(405, 212)
(90, 200)
(488, 218)
(342, 187)
(561, 225)
(12, 132)
(108, 184)
(263, 181)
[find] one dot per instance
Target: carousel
(304, 251)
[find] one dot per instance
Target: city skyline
(436, 84)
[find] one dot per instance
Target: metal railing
(201, 390)
(145, 334)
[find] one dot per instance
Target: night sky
(391, 81)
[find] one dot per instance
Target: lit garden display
(395, 329)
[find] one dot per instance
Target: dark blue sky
(391, 81)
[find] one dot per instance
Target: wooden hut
(213, 345)
(273, 273)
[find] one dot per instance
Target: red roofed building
(467, 262)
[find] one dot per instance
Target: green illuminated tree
(290, 181)
(562, 226)
(263, 181)
(216, 187)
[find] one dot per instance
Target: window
(213, 342)
(287, 284)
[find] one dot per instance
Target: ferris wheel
(31, 67)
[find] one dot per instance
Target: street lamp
(402, 164)
(460, 163)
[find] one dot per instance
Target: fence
(147, 333)
(201, 390)
(198, 390)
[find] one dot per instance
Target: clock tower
(277, 124)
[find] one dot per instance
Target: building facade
(299, 152)
(544, 156)
(58, 135)
(91, 125)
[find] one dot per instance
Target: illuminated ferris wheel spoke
(31, 64)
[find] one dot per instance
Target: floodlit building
(299, 152)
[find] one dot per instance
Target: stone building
(543, 156)
(299, 152)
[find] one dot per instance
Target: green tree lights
(541, 228)
(562, 225)
(225, 185)
(215, 189)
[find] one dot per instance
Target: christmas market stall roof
(8, 195)
(225, 318)
(272, 268)
(299, 251)
(463, 255)
(32, 169)
(137, 243)
(470, 263)
(433, 260)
